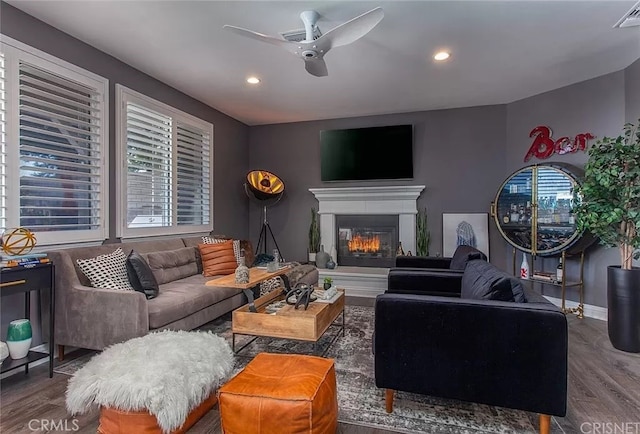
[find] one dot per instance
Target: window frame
(123, 96)
(14, 52)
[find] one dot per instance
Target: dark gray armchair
(478, 344)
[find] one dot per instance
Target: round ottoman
(283, 394)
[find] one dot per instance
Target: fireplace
(367, 240)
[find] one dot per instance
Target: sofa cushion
(464, 254)
(170, 265)
(181, 298)
(483, 281)
(236, 245)
(107, 271)
(217, 258)
(141, 276)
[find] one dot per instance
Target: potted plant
(314, 235)
(608, 205)
(422, 233)
(327, 282)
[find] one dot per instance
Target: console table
(20, 280)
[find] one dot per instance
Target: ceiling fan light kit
(315, 44)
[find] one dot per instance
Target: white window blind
(166, 168)
(3, 147)
(53, 178)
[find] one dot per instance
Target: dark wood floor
(604, 387)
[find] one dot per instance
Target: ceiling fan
(315, 45)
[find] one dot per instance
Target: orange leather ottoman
(281, 394)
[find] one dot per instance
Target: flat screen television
(367, 153)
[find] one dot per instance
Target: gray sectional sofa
(95, 318)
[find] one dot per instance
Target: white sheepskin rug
(168, 373)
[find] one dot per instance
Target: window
(53, 118)
(165, 171)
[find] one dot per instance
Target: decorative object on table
(322, 258)
(327, 282)
(544, 146)
(423, 236)
(300, 295)
(607, 204)
(4, 351)
(399, 250)
(334, 256)
(272, 266)
(314, 235)
(465, 229)
(262, 259)
(330, 264)
(524, 267)
(17, 241)
(19, 336)
(267, 189)
(242, 272)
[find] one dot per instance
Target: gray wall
(458, 155)
(596, 106)
(632, 91)
(231, 137)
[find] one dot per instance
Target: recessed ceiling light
(441, 55)
(253, 80)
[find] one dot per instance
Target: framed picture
(465, 229)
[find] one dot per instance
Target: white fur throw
(168, 373)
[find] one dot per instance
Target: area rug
(360, 402)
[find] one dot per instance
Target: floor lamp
(267, 189)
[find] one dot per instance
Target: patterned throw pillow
(270, 284)
(236, 246)
(107, 271)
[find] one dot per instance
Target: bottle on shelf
(524, 267)
(506, 218)
(515, 217)
(559, 271)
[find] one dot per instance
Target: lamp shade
(264, 185)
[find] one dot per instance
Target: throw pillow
(236, 247)
(217, 258)
(107, 271)
(140, 275)
(483, 281)
(270, 284)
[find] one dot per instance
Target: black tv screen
(367, 153)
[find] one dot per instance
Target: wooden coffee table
(288, 322)
(252, 288)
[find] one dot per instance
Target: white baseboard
(591, 311)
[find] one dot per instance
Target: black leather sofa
(476, 344)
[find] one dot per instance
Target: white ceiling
(502, 51)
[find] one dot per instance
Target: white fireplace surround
(387, 200)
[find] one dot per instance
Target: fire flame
(367, 244)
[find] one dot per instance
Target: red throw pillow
(217, 258)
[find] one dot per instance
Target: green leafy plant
(608, 202)
(422, 233)
(328, 280)
(314, 232)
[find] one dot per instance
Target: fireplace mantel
(392, 200)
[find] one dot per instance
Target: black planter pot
(623, 299)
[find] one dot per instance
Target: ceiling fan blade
(316, 67)
(354, 29)
(260, 37)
